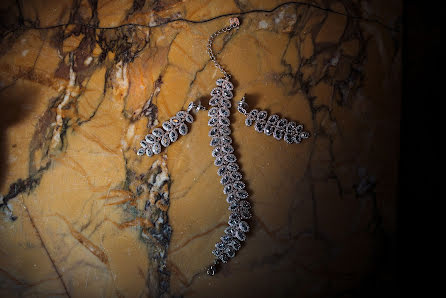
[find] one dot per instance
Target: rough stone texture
(83, 215)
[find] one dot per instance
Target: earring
(170, 131)
(280, 128)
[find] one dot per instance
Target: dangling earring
(280, 128)
(170, 131)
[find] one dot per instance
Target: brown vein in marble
(23, 283)
(221, 224)
(93, 138)
(94, 249)
(298, 3)
(47, 252)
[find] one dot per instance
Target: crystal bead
(213, 132)
(221, 170)
(230, 252)
(227, 189)
(242, 194)
(297, 139)
(217, 252)
(253, 113)
(143, 144)
(213, 112)
(217, 91)
(259, 126)
(233, 223)
(239, 185)
(167, 125)
(181, 114)
(219, 82)
(289, 138)
(150, 139)
(218, 161)
(175, 121)
(225, 130)
(227, 94)
(226, 103)
(230, 231)
(141, 151)
(236, 176)
(291, 127)
(282, 123)
(226, 140)
(273, 119)
(189, 118)
(225, 180)
(219, 245)
(233, 167)
(213, 121)
(173, 135)
(216, 152)
(149, 151)
(227, 149)
(299, 127)
(233, 207)
(234, 216)
(231, 198)
(224, 258)
(240, 235)
(245, 214)
(304, 135)
(269, 129)
(230, 158)
(182, 129)
(156, 148)
(278, 134)
(224, 121)
(165, 141)
(243, 226)
(215, 141)
(158, 132)
(262, 115)
(235, 243)
(249, 121)
(226, 238)
(214, 101)
(244, 204)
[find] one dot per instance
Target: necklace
(234, 187)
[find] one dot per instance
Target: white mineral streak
(263, 24)
(88, 60)
(25, 52)
(70, 91)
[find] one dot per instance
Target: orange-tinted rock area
(81, 83)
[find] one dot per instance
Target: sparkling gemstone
(230, 231)
(233, 207)
(149, 151)
(234, 216)
(269, 129)
(143, 144)
(242, 194)
(175, 121)
(282, 123)
(228, 149)
(291, 127)
(299, 127)
(230, 158)
(215, 141)
(226, 140)
(259, 126)
(216, 152)
(273, 119)
(219, 245)
(230, 252)
(181, 114)
(167, 125)
(244, 204)
(236, 176)
(231, 198)
(227, 85)
(253, 113)
(182, 129)
(217, 91)
(213, 112)
(158, 132)
(214, 101)
(245, 214)
(165, 141)
(240, 235)
(227, 94)
(219, 82)
(225, 130)
(218, 161)
(225, 180)
(249, 121)
(224, 112)
(278, 134)
(235, 244)
(213, 121)
(211, 270)
(226, 238)
(233, 167)
(297, 139)
(233, 223)
(289, 138)
(241, 109)
(156, 148)
(304, 135)
(141, 151)
(217, 252)
(221, 170)
(262, 115)
(227, 189)
(239, 185)
(224, 121)
(190, 106)
(150, 139)
(173, 135)
(213, 132)
(226, 103)
(224, 258)
(189, 118)
(243, 226)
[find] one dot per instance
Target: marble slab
(81, 84)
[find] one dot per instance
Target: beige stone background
(83, 216)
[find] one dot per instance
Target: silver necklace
(234, 188)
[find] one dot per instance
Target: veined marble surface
(83, 216)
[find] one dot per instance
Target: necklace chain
(234, 23)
